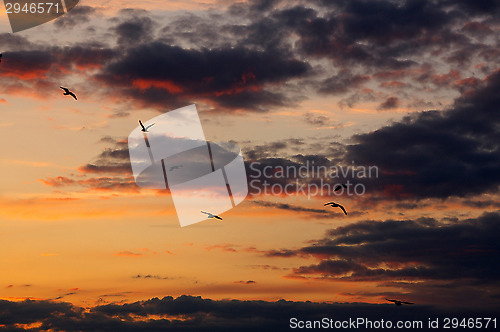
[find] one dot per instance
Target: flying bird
(1, 57)
(211, 216)
(333, 204)
(397, 302)
(340, 186)
(174, 167)
(68, 93)
(145, 129)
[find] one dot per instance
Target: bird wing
(73, 95)
(151, 125)
(340, 206)
(407, 302)
(209, 215)
(337, 188)
(218, 217)
(65, 89)
(392, 300)
(145, 129)
(329, 203)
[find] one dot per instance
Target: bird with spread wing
(333, 204)
(398, 302)
(145, 129)
(68, 93)
(211, 216)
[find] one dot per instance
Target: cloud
(342, 82)
(194, 313)
(371, 32)
(248, 282)
(421, 251)
(103, 183)
(78, 15)
(234, 78)
(315, 213)
(238, 66)
(226, 60)
(438, 153)
(149, 276)
(128, 254)
(316, 119)
(135, 28)
(389, 103)
(110, 171)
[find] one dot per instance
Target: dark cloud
(28, 311)
(136, 30)
(78, 15)
(228, 77)
(234, 65)
(37, 70)
(364, 95)
(342, 82)
(272, 149)
(481, 204)
(475, 8)
(370, 32)
(86, 56)
(438, 153)
(389, 103)
(426, 155)
(424, 249)
(64, 295)
(150, 276)
(248, 282)
(316, 119)
(115, 160)
(14, 41)
(190, 313)
(29, 63)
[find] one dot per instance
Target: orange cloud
(144, 84)
(128, 254)
(392, 84)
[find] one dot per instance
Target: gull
(397, 302)
(68, 93)
(333, 204)
(174, 167)
(210, 216)
(340, 186)
(145, 129)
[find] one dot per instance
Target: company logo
(26, 14)
(170, 152)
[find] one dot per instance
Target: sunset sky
(410, 87)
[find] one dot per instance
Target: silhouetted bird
(333, 204)
(68, 93)
(340, 186)
(145, 129)
(174, 167)
(211, 216)
(397, 302)
(1, 57)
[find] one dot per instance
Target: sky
(408, 88)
